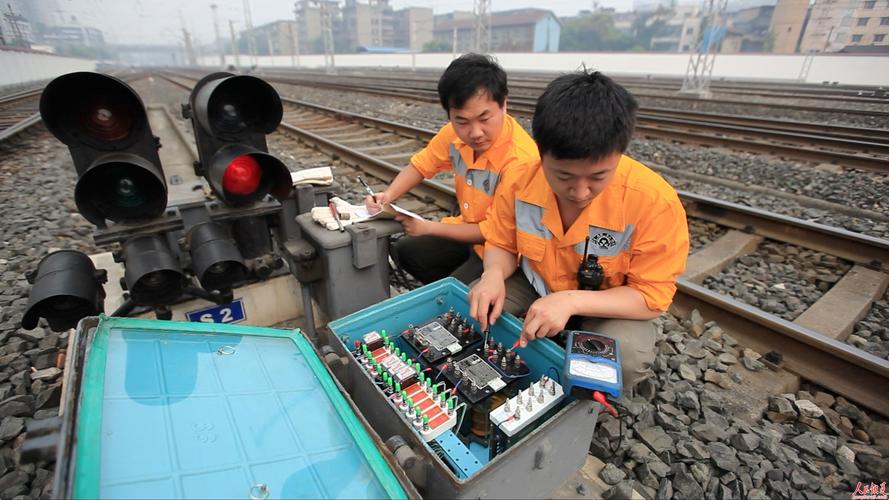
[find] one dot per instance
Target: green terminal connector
(397, 351)
(419, 368)
(434, 391)
(423, 378)
(397, 386)
(389, 380)
(425, 419)
(404, 396)
(384, 333)
(452, 402)
(404, 356)
(364, 348)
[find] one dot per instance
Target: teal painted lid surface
(191, 410)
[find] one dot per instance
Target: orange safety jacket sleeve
(499, 226)
(435, 158)
(659, 254)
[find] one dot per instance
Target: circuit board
(441, 337)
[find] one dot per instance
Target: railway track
(18, 112)
(379, 147)
(814, 143)
(837, 92)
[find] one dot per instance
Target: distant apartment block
(680, 31)
(275, 38)
(412, 27)
(829, 27)
(748, 30)
(519, 30)
(871, 26)
(788, 21)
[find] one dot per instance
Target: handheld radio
(590, 273)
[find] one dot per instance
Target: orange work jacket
(637, 228)
(475, 179)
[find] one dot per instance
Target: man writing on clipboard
(479, 143)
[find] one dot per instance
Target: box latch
(364, 245)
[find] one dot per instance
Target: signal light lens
(121, 188)
(106, 123)
(242, 176)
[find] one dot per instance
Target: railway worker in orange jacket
(479, 143)
(584, 186)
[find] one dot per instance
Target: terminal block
(513, 419)
(429, 408)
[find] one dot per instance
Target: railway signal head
(103, 122)
(231, 116)
(66, 288)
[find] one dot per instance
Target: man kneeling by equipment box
(599, 237)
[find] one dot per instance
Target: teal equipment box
(537, 460)
(162, 409)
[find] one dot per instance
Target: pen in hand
(367, 188)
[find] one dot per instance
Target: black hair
(584, 115)
(466, 76)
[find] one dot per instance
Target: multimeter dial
(593, 345)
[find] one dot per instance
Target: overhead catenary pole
(251, 36)
(294, 41)
(454, 43)
(701, 61)
(219, 45)
(231, 27)
(327, 36)
(482, 12)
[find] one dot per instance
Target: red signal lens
(242, 176)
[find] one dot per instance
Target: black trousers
(430, 258)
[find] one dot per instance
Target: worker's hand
(414, 226)
(546, 317)
(486, 299)
(375, 203)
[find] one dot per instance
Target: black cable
(622, 411)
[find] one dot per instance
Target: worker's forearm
(467, 233)
(622, 302)
(499, 263)
(403, 182)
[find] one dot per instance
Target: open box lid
(201, 410)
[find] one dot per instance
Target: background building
(871, 24)
(829, 27)
(680, 29)
(275, 38)
(788, 21)
(15, 30)
(519, 30)
(412, 27)
(749, 30)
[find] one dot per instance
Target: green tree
(436, 46)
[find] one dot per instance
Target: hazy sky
(160, 21)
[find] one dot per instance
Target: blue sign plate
(228, 313)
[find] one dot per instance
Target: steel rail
(851, 372)
(740, 140)
(522, 80)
